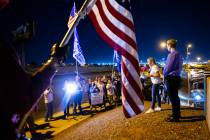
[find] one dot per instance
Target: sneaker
(150, 110)
(157, 109)
(52, 118)
(65, 117)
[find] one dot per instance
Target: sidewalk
(52, 128)
(112, 125)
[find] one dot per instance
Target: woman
(110, 92)
(156, 82)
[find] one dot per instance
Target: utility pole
(188, 70)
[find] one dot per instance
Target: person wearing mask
(110, 92)
(93, 90)
(48, 100)
(156, 82)
(88, 90)
(172, 71)
(78, 96)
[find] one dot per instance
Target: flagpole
(77, 68)
(113, 65)
(86, 7)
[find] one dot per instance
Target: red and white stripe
(3, 3)
(115, 25)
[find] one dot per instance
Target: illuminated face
(149, 62)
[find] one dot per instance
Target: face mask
(169, 49)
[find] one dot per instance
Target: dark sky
(155, 20)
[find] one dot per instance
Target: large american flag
(114, 23)
(3, 3)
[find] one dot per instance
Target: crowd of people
(108, 87)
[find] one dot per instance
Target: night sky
(155, 20)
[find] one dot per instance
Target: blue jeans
(49, 110)
(66, 108)
(77, 101)
(155, 93)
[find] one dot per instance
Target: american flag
(3, 3)
(72, 15)
(77, 51)
(114, 23)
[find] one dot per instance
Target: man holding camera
(20, 90)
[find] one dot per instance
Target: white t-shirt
(100, 86)
(109, 89)
(48, 96)
(154, 69)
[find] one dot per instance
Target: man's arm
(157, 74)
(41, 79)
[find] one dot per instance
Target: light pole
(187, 69)
(188, 53)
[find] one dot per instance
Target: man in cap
(172, 71)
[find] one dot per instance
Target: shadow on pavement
(192, 118)
(185, 108)
(39, 136)
(43, 126)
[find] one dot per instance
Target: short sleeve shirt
(155, 69)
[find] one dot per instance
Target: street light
(189, 45)
(198, 59)
(188, 53)
(163, 44)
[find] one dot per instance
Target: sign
(96, 98)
